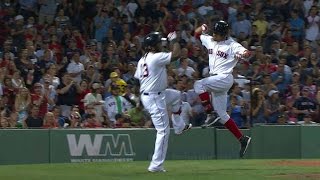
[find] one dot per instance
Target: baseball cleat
(186, 128)
(156, 170)
(211, 119)
(244, 142)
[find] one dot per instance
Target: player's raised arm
(175, 46)
(199, 30)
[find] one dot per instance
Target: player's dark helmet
(221, 28)
(152, 39)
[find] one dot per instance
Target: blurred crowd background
(70, 64)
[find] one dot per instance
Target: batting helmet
(221, 28)
(152, 39)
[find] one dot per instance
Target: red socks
(206, 103)
(233, 128)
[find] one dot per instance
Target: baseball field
(176, 170)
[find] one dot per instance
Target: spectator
(267, 85)
(7, 119)
(74, 118)
(258, 107)
(185, 69)
(296, 25)
(102, 23)
(61, 19)
(292, 97)
(83, 90)
(304, 106)
(91, 121)
(61, 120)
(115, 104)
(75, 68)
(22, 105)
(235, 109)
(313, 20)
(242, 25)
(281, 79)
(273, 107)
(47, 11)
(138, 116)
(94, 98)
(261, 25)
(66, 94)
(121, 121)
(33, 120)
(49, 121)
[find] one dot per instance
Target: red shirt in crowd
(43, 108)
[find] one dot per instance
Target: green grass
(176, 170)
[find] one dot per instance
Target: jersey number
(145, 72)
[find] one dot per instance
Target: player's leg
(173, 100)
(201, 89)
(156, 106)
(220, 105)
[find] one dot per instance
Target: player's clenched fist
(204, 27)
(171, 36)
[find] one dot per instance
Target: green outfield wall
(103, 145)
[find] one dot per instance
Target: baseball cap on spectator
(29, 26)
(36, 85)
(46, 80)
(92, 43)
(296, 74)
(132, 63)
(303, 59)
(272, 92)
(113, 75)
(305, 88)
(18, 17)
(95, 85)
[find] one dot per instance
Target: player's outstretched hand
(246, 54)
(172, 36)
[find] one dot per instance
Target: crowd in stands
(70, 63)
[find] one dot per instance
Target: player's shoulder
(205, 37)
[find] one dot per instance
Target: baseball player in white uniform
(152, 74)
(174, 104)
(224, 54)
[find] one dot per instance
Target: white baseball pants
(156, 105)
(173, 100)
(218, 85)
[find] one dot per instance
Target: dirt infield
(303, 163)
(310, 176)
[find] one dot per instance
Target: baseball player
(152, 75)
(224, 54)
(174, 104)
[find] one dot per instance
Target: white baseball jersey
(222, 54)
(152, 73)
(110, 106)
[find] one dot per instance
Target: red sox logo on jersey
(219, 53)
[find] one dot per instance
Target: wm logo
(100, 145)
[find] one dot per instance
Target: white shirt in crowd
(74, 67)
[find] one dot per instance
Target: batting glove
(172, 36)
